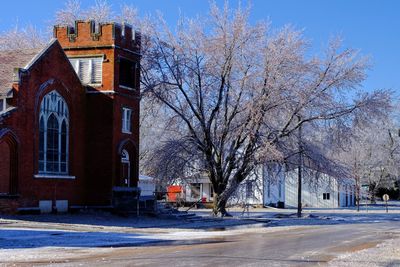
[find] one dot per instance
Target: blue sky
(372, 26)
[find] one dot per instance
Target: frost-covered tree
(100, 12)
(18, 38)
(238, 90)
(372, 153)
(71, 12)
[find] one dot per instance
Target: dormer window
(2, 105)
(127, 73)
(89, 69)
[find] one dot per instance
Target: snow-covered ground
(384, 254)
(54, 241)
(62, 238)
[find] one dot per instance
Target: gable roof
(10, 60)
(20, 58)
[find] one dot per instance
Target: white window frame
(54, 104)
(76, 63)
(127, 120)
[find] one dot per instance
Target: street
(284, 246)
(304, 246)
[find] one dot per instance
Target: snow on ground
(27, 244)
(384, 254)
(27, 239)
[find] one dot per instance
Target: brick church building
(69, 118)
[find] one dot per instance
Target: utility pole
(299, 171)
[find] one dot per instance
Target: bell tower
(106, 58)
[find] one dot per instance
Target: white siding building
(273, 185)
(319, 190)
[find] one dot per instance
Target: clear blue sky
(373, 26)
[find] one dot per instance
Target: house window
(249, 189)
(326, 196)
(53, 134)
(195, 190)
(126, 120)
(127, 73)
(89, 69)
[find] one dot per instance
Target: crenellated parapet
(90, 34)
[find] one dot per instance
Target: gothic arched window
(53, 134)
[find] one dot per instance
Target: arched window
(53, 134)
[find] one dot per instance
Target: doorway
(125, 169)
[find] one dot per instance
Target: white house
(275, 185)
(319, 190)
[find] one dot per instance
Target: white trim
(7, 110)
(127, 120)
(39, 55)
(127, 87)
(95, 84)
(90, 56)
(53, 176)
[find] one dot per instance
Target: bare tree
(71, 12)
(238, 91)
(129, 15)
(372, 153)
(100, 12)
(22, 38)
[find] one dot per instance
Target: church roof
(9, 60)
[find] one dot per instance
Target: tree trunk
(219, 206)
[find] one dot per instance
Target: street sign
(385, 197)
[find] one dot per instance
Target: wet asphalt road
(301, 246)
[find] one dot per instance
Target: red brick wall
(95, 137)
(104, 124)
(4, 167)
(51, 72)
(8, 206)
